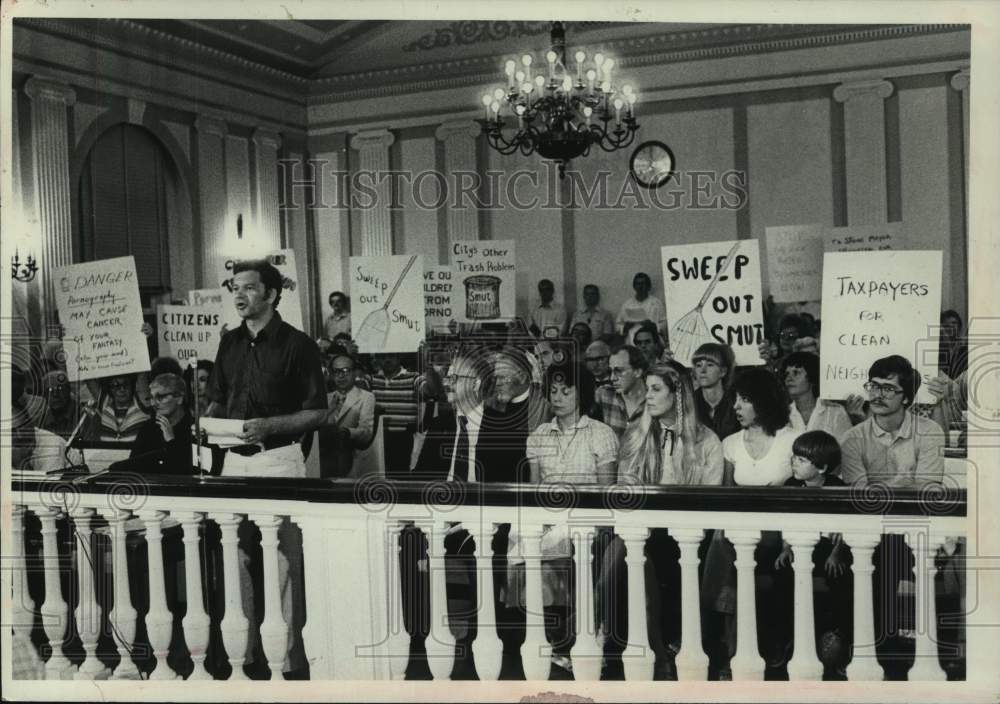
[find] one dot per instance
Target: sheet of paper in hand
(100, 309)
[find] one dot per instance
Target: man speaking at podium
(268, 374)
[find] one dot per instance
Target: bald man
(597, 359)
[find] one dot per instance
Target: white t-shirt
(770, 470)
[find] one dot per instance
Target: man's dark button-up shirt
(276, 373)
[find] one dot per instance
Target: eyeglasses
(503, 379)
(452, 378)
(160, 398)
(119, 385)
(342, 372)
(885, 390)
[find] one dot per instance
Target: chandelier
(560, 113)
(23, 271)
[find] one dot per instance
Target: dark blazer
(152, 454)
(501, 451)
(434, 461)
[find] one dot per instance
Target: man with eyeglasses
(164, 441)
(625, 398)
(597, 360)
(350, 422)
(894, 446)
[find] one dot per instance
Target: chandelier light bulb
(527, 87)
(631, 97)
(498, 94)
(520, 109)
(608, 64)
(588, 111)
(581, 56)
(591, 75)
(509, 67)
(551, 57)
(487, 99)
(606, 86)
(526, 60)
(619, 103)
(495, 107)
(567, 84)
(519, 76)
(539, 81)
(627, 89)
(598, 59)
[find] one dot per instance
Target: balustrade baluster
(536, 653)
(864, 665)
(398, 645)
(316, 632)
(159, 619)
(88, 612)
(488, 649)
(588, 649)
(805, 664)
(440, 642)
(273, 630)
(123, 614)
(235, 626)
(23, 611)
(195, 621)
(638, 658)
(926, 664)
(691, 662)
(55, 611)
(747, 663)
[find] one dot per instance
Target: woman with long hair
(200, 378)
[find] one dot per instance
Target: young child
(815, 463)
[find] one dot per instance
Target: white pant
(284, 462)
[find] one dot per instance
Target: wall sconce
(23, 272)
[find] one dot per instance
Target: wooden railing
(350, 550)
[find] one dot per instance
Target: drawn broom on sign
(691, 331)
(374, 331)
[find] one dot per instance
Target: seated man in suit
(350, 423)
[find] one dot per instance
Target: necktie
(338, 401)
(462, 451)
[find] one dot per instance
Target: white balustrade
(318, 628)
(863, 665)
(536, 653)
(638, 658)
(123, 614)
(159, 619)
(235, 626)
(747, 663)
(588, 651)
(195, 621)
(23, 611)
(691, 662)
(487, 649)
(88, 612)
(55, 611)
(273, 630)
(440, 642)
(805, 664)
(926, 665)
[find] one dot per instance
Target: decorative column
(235, 626)
(195, 622)
(805, 664)
(863, 665)
(926, 664)
(212, 192)
(864, 138)
(50, 151)
(536, 653)
(88, 612)
(589, 650)
(376, 220)
(487, 648)
(459, 137)
(23, 611)
(960, 82)
(691, 661)
(159, 619)
(317, 556)
(440, 642)
(55, 611)
(266, 145)
(123, 615)
(638, 657)
(399, 639)
(274, 630)
(747, 663)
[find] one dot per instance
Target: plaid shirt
(613, 409)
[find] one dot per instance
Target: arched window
(126, 187)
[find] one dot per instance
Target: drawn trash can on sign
(482, 297)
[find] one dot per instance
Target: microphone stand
(87, 412)
(197, 418)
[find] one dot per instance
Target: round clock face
(652, 164)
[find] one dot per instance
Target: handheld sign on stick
(374, 330)
(691, 331)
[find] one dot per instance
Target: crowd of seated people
(586, 398)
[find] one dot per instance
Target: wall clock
(652, 164)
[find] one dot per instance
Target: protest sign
(863, 238)
(795, 262)
(100, 310)
(712, 294)
(290, 306)
(387, 303)
(484, 271)
(439, 282)
(876, 304)
(208, 296)
(184, 332)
